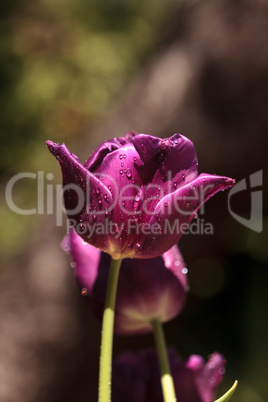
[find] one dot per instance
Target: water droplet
(100, 204)
(122, 164)
(129, 174)
(84, 292)
(212, 380)
(138, 247)
(204, 180)
(134, 158)
(124, 156)
(183, 177)
(211, 365)
(123, 203)
(120, 156)
(97, 191)
(184, 270)
(161, 156)
(121, 171)
(67, 247)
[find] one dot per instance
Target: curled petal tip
(226, 182)
(230, 182)
(52, 146)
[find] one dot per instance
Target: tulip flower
(136, 377)
(147, 289)
(135, 195)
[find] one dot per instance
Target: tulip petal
(209, 375)
(147, 146)
(146, 289)
(120, 173)
(174, 261)
(86, 198)
(173, 159)
(105, 148)
(169, 164)
(97, 156)
(150, 289)
(175, 211)
(190, 381)
(85, 259)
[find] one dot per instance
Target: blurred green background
(80, 72)
(63, 64)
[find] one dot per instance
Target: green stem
(228, 394)
(105, 374)
(166, 377)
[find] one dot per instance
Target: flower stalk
(105, 372)
(166, 377)
(228, 394)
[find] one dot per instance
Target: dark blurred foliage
(82, 72)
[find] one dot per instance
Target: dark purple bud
(147, 289)
(136, 377)
(135, 194)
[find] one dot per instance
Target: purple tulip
(136, 377)
(135, 195)
(147, 289)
